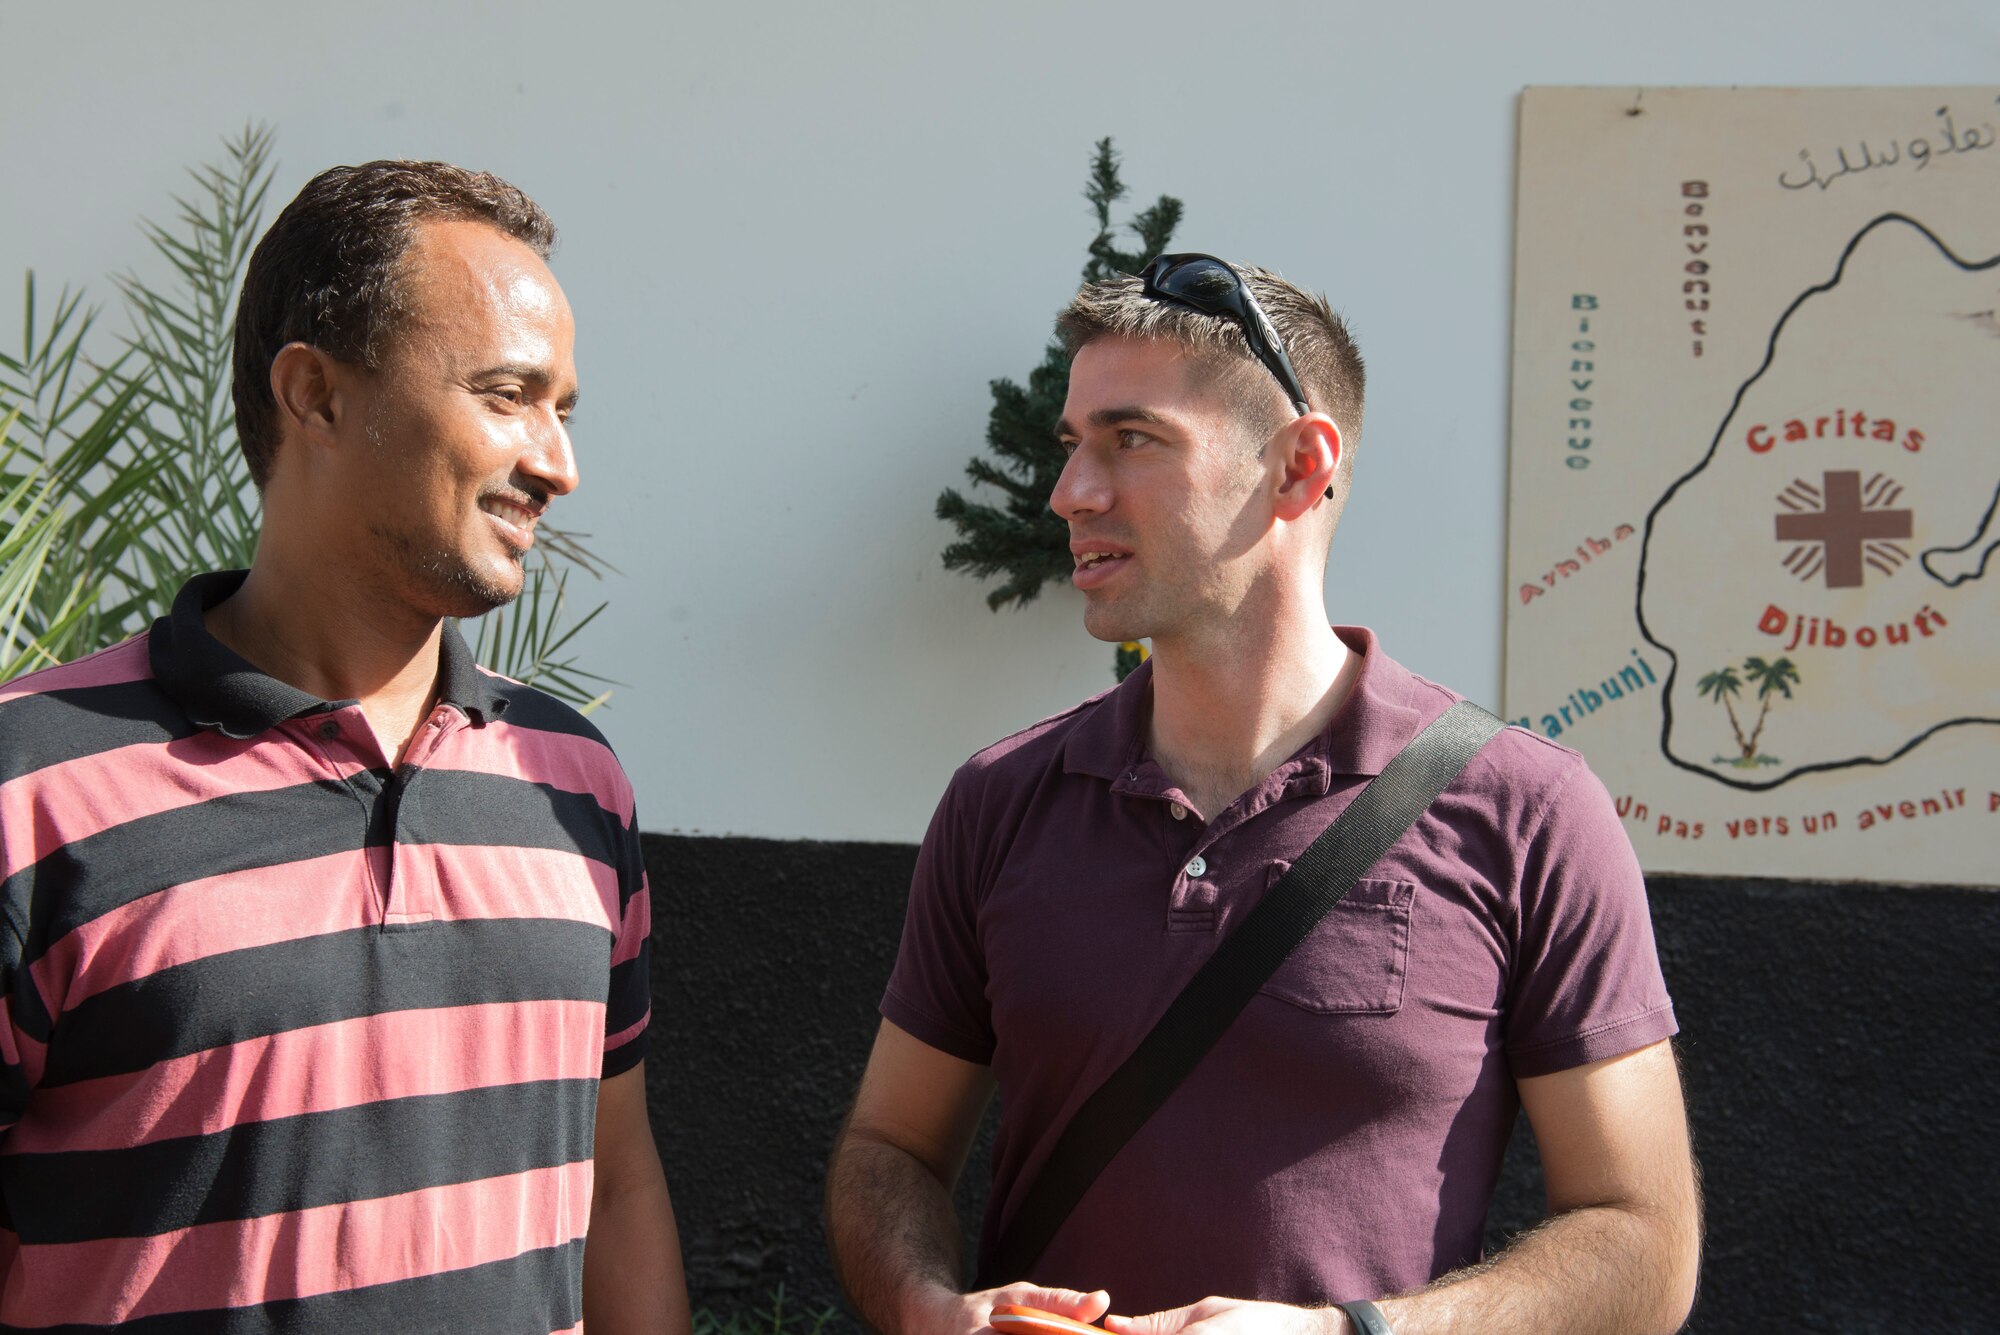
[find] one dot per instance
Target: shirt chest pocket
(1356, 958)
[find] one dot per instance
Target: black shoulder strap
(1378, 816)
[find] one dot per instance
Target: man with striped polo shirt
(325, 951)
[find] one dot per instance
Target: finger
(1063, 1302)
(1156, 1323)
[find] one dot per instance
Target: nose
(551, 460)
(1082, 489)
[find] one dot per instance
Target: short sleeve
(628, 1009)
(1585, 983)
(937, 992)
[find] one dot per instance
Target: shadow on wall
(1839, 1045)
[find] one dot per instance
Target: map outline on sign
(1709, 771)
(1761, 325)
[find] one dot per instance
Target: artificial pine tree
(1022, 538)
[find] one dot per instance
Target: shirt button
(1197, 866)
(1178, 811)
(329, 730)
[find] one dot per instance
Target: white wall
(801, 238)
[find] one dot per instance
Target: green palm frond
(525, 640)
(1720, 683)
(66, 488)
(203, 507)
(1772, 678)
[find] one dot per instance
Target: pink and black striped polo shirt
(294, 1040)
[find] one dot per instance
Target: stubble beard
(1135, 616)
(1112, 624)
(439, 581)
(1160, 610)
(451, 578)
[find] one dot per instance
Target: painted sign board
(1754, 498)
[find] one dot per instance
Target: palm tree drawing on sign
(1771, 677)
(1724, 685)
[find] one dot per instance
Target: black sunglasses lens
(1202, 282)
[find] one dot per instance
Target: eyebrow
(1105, 417)
(534, 375)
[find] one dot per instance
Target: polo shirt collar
(1110, 738)
(1375, 722)
(217, 688)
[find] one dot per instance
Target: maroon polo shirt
(1343, 1138)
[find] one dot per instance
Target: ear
(305, 383)
(1308, 454)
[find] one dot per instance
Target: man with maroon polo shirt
(324, 986)
(1340, 1143)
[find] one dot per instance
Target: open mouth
(1095, 565)
(515, 520)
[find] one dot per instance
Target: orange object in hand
(1013, 1319)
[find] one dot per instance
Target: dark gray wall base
(768, 959)
(1840, 1048)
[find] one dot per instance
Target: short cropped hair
(1321, 349)
(326, 272)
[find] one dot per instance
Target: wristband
(1367, 1318)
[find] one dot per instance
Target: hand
(966, 1313)
(1232, 1316)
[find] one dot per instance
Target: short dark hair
(325, 274)
(1317, 340)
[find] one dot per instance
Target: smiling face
(464, 436)
(1163, 492)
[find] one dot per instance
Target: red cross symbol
(1843, 526)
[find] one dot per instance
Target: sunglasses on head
(1213, 287)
